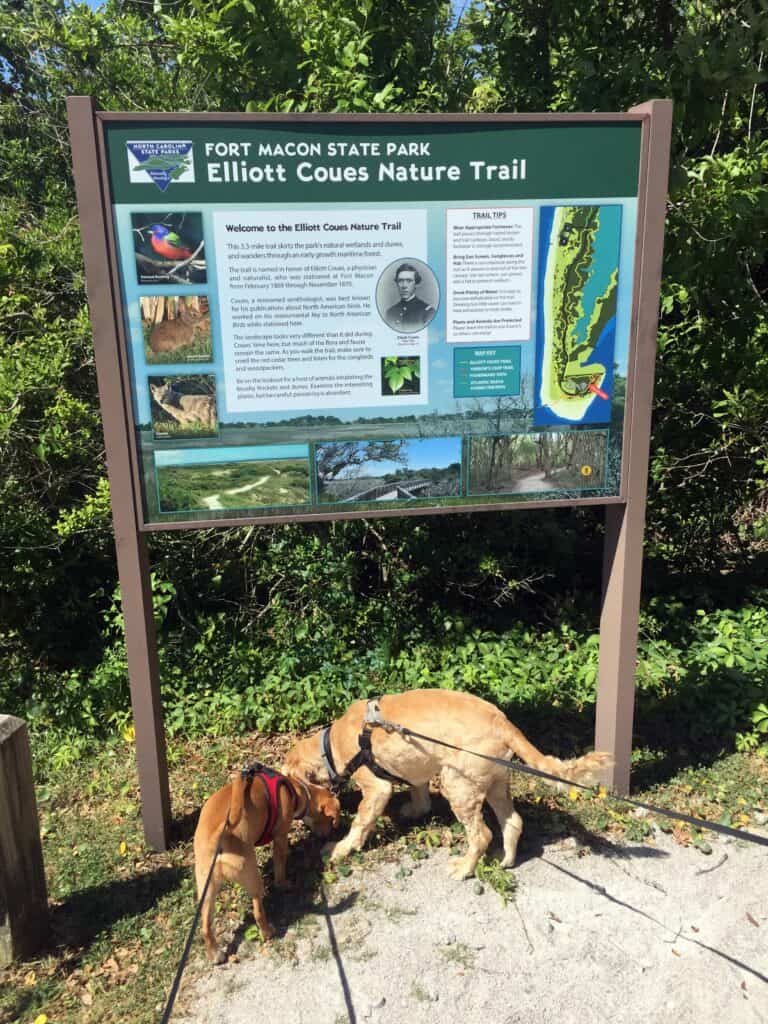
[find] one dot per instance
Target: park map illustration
(574, 314)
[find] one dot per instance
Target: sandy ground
(620, 933)
(214, 500)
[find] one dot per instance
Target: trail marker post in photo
(315, 317)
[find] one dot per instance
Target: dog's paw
(218, 958)
(267, 932)
(339, 851)
(461, 869)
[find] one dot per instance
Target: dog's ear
(299, 767)
(301, 770)
(331, 808)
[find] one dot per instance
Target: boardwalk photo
(401, 470)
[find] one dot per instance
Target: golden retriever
(466, 781)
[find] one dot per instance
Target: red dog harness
(273, 782)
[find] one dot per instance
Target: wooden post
(132, 558)
(625, 525)
(23, 895)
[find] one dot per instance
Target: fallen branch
(714, 867)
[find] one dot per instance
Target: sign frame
(625, 512)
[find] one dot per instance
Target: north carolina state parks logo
(162, 162)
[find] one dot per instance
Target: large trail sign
(345, 317)
(311, 317)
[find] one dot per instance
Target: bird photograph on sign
(169, 248)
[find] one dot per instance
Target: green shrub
(701, 678)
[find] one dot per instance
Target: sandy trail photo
(214, 501)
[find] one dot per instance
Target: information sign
(301, 317)
(335, 317)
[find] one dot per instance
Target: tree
(708, 478)
(336, 457)
(357, 580)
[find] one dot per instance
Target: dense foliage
(279, 626)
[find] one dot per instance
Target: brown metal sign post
(625, 524)
(131, 545)
(305, 317)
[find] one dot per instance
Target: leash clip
(373, 718)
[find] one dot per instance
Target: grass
(120, 913)
(498, 878)
(419, 993)
(170, 428)
(458, 953)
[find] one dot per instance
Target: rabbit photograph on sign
(176, 329)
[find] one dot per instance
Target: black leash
(188, 946)
(374, 718)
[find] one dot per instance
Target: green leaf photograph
(400, 375)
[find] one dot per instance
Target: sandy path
(249, 487)
(621, 934)
(531, 483)
(214, 500)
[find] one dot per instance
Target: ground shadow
(329, 913)
(183, 827)
(546, 828)
(542, 827)
(602, 891)
(285, 908)
(86, 913)
(305, 895)
(294, 907)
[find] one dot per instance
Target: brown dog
(252, 810)
(466, 781)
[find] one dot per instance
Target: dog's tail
(238, 784)
(589, 770)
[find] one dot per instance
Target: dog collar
(327, 756)
(300, 810)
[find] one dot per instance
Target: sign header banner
(373, 162)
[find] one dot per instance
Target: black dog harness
(273, 782)
(363, 758)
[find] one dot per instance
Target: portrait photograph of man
(407, 296)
